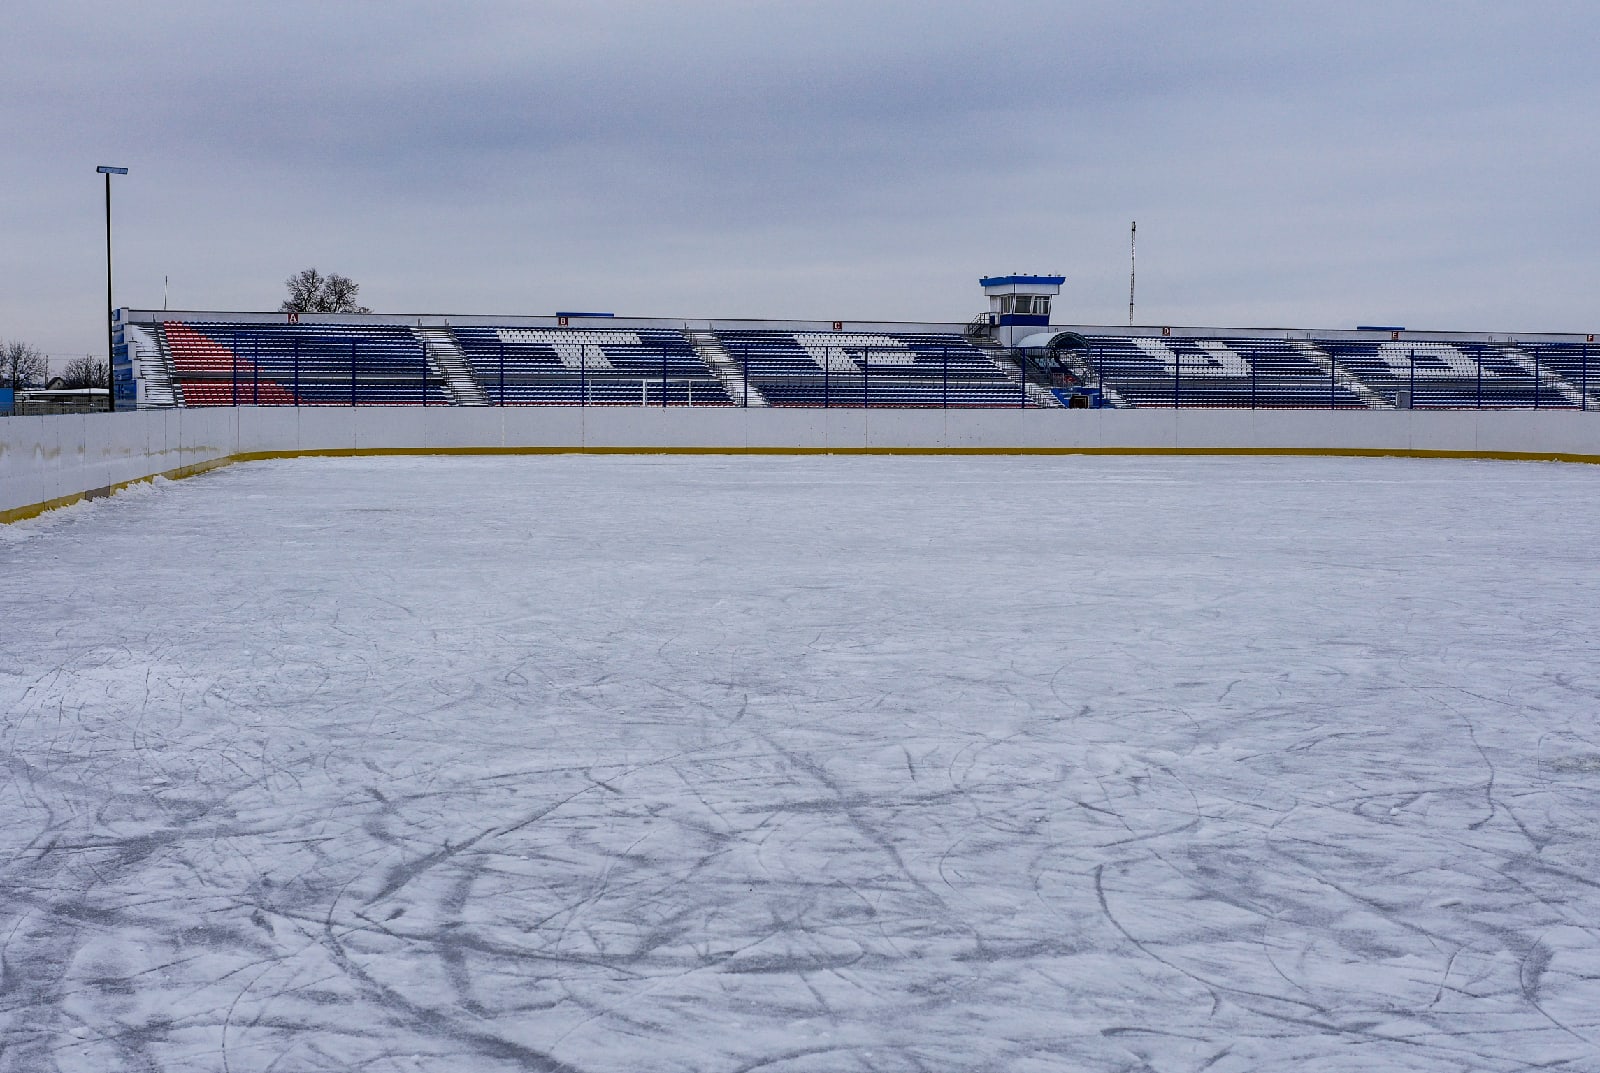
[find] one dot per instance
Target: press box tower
(1019, 305)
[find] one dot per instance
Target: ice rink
(729, 764)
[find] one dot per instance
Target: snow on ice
(805, 764)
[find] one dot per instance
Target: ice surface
(737, 764)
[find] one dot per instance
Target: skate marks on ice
(791, 765)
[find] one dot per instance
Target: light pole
(1133, 266)
(111, 402)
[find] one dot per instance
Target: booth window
(1034, 305)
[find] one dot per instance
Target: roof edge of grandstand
(569, 322)
(616, 323)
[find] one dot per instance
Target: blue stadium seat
(518, 366)
(867, 369)
(220, 363)
(1222, 371)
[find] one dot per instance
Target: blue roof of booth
(1006, 281)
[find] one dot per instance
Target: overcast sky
(1431, 164)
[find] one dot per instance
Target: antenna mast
(1133, 266)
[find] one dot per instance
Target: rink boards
(47, 462)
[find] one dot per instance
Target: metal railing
(274, 371)
(1530, 378)
(887, 378)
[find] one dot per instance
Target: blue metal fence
(1424, 376)
(309, 369)
(890, 378)
(306, 370)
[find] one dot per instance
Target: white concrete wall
(47, 459)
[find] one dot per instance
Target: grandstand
(1009, 357)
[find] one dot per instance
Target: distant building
(56, 398)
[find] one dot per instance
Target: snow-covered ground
(783, 764)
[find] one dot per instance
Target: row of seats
(1332, 373)
(558, 366)
(1450, 375)
(604, 390)
(220, 363)
(1221, 372)
(889, 369)
(859, 391)
(219, 349)
(329, 393)
(1578, 364)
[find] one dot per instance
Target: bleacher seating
(219, 363)
(1455, 375)
(889, 369)
(1224, 371)
(560, 366)
(1577, 364)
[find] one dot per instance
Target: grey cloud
(1288, 163)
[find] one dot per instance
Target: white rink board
(48, 460)
(805, 764)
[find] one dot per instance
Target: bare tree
(312, 292)
(21, 365)
(84, 372)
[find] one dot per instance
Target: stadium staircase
(1548, 378)
(1038, 395)
(1324, 360)
(441, 346)
(154, 368)
(722, 365)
